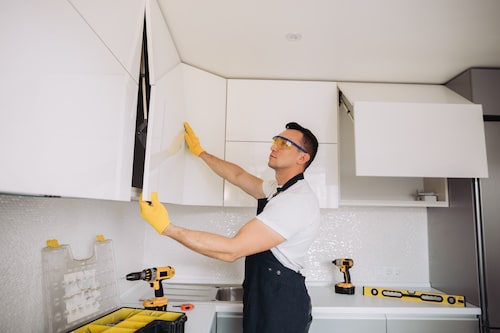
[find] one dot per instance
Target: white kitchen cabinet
(395, 323)
(213, 328)
(185, 94)
(380, 191)
(397, 139)
(259, 109)
(229, 322)
(432, 324)
(349, 324)
(180, 93)
(128, 21)
(253, 157)
(415, 131)
(69, 92)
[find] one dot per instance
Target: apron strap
(261, 203)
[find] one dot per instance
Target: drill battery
(345, 288)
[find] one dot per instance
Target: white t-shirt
(295, 215)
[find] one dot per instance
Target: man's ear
(304, 158)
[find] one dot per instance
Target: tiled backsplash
(388, 245)
(27, 222)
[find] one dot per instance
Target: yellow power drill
(154, 276)
(345, 287)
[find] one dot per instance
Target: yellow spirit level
(415, 296)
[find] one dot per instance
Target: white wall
(388, 245)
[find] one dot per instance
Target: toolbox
(127, 320)
(81, 296)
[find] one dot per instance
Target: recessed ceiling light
(293, 36)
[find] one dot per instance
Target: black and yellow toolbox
(81, 296)
(127, 320)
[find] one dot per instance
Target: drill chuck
(151, 274)
(134, 276)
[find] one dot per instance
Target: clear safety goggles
(285, 143)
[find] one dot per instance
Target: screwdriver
(185, 307)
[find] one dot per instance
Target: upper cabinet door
(415, 131)
(180, 93)
(68, 98)
(259, 109)
(322, 174)
(185, 94)
(124, 36)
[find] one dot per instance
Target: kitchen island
(349, 313)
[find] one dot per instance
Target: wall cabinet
(259, 109)
(399, 139)
(256, 111)
(253, 157)
(180, 93)
(69, 98)
(415, 131)
(185, 94)
(380, 191)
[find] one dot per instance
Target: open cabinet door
(409, 130)
(68, 92)
(180, 93)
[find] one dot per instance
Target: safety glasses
(284, 143)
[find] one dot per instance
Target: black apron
(275, 298)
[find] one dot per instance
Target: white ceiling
(411, 41)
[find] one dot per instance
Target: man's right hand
(192, 140)
(155, 213)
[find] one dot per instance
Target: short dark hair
(310, 143)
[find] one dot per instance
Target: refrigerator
(464, 239)
(490, 195)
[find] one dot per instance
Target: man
(275, 242)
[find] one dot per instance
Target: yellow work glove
(154, 212)
(192, 140)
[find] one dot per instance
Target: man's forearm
(224, 169)
(209, 244)
(234, 174)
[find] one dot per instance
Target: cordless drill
(345, 287)
(154, 276)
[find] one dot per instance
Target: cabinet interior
(141, 124)
(380, 191)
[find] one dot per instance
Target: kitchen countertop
(326, 301)
(326, 304)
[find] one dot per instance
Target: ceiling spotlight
(293, 36)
